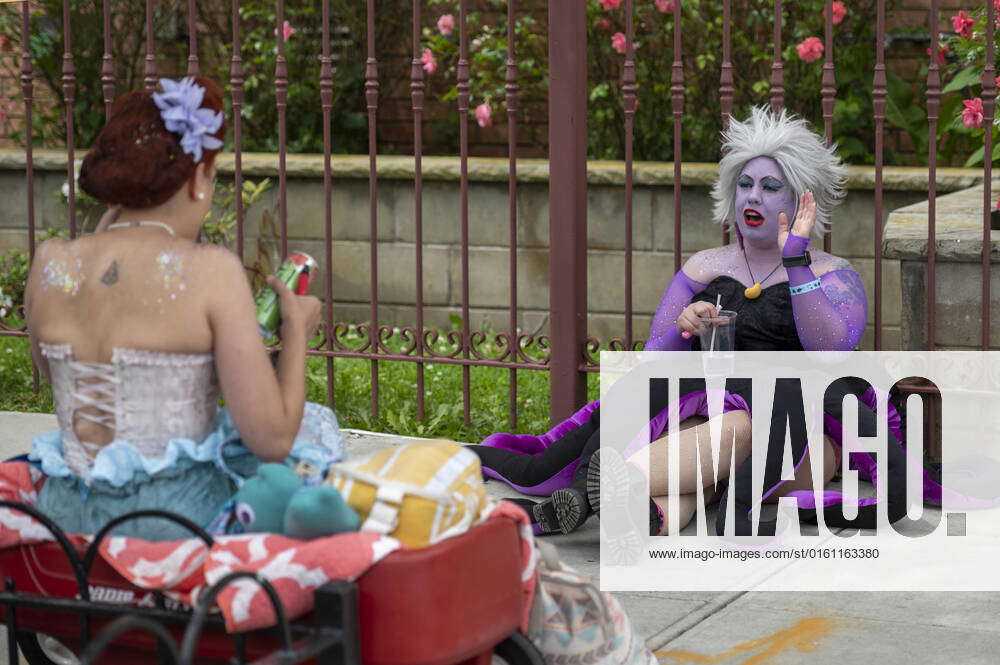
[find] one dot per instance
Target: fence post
(567, 204)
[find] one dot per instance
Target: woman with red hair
(138, 328)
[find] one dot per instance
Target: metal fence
(566, 352)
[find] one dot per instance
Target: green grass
(352, 393)
(16, 391)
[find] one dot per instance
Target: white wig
(804, 158)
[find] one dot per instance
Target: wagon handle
(91, 554)
(78, 570)
(124, 624)
(208, 600)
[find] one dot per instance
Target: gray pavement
(748, 628)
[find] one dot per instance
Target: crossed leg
(694, 443)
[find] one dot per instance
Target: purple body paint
(762, 193)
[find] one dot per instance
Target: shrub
(702, 33)
(752, 21)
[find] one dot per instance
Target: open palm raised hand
(804, 219)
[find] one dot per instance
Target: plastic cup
(718, 333)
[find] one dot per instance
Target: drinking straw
(711, 344)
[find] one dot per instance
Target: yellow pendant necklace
(753, 292)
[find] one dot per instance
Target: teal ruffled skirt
(193, 479)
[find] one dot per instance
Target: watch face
(801, 260)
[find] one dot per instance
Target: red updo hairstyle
(135, 162)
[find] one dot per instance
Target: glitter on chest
(64, 274)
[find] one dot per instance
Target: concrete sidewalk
(749, 628)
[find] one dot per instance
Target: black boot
(656, 518)
(543, 514)
(623, 479)
(573, 505)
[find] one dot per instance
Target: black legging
(530, 470)
(583, 441)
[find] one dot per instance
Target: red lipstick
(752, 218)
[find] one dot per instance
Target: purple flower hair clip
(180, 108)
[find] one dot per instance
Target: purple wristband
(794, 245)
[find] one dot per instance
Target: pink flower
(998, 204)
(665, 6)
(610, 4)
(996, 81)
(839, 12)
(618, 42)
(476, 43)
(604, 24)
(972, 114)
(430, 64)
(810, 50)
(962, 23)
(286, 30)
(940, 54)
(483, 115)
(446, 24)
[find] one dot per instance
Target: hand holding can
(299, 314)
(284, 301)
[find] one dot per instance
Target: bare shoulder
(45, 252)
(51, 246)
(222, 273)
(824, 263)
(217, 264)
(706, 265)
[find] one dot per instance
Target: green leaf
(899, 90)
(977, 157)
(600, 91)
(956, 126)
(894, 115)
(965, 78)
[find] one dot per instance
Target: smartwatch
(803, 259)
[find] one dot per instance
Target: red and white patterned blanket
(181, 568)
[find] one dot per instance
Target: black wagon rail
(330, 638)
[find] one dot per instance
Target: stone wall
(958, 270)
(488, 231)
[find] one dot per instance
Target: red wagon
(458, 602)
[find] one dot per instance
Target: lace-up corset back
(145, 397)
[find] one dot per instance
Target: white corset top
(146, 397)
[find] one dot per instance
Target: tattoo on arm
(844, 292)
(110, 276)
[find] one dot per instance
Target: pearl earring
(201, 196)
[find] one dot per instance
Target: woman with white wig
(777, 188)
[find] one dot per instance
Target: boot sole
(546, 524)
(623, 542)
(571, 509)
(617, 484)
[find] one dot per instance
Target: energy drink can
(294, 273)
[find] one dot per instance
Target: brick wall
(907, 54)
(395, 125)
